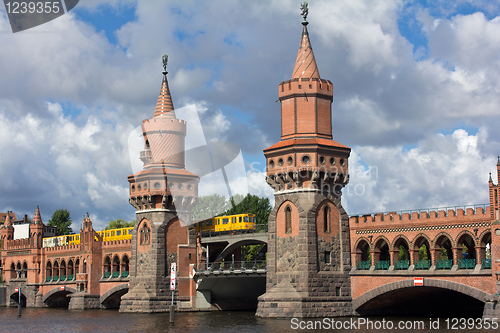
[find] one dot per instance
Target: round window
(342, 162)
(180, 186)
(280, 162)
(138, 187)
(157, 186)
(133, 188)
(190, 187)
(271, 164)
(322, 160)
(306, 159)
(332, 161)
(145, 186)
(289, 160)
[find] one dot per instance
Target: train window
(107, 234)
(240, 219)
(225, 221)
(118, 232)
(209, 223)
(112, 233)
(130, 232)
(245, 219)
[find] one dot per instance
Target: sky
(416, 97)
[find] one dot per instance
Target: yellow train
(227, 223)
(107, 235)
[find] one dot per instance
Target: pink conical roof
(305, 65)
(38, 218)
(164, 106)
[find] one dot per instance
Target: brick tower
(308, 259)
(492, 309)
(162, 194)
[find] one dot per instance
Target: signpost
(18, 290)
(173, 273)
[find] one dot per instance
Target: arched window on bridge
(24, 271)
(145, 234)
(466, 252)
(288, 220)
(77, 266)
(70, 270)
(125, 266)
(326, 219)
(443, 252)
(48, 271)
(62, 271)
(381, 253)
(116, 267)
(106, 267)
(363, 258)
(55, 271)
(401, 254)
(18, 270)
(13, 274)
(422, 254)
(485, 251)
(84, 266)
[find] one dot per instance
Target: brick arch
(380, 238)
(397, 238)
(420, 235)
(55, 291)
(359, 241)
(454, 286)
(295, 217)
(463, 232)
(444, 233)
(111, 291)
(482, 236)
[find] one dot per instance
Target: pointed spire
(305, 65)
(491, 180)
(164, 106)
(498, 162)
(38, 218)
(8, 221)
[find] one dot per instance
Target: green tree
(119, 223)
(443, 253)
(62, 221)
(422, 253)
(403, 253)
(209, 206)
(261, 207)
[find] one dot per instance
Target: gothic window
(288, 220)
(145, 235)
(326, 219)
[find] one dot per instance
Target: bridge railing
(259, 228)
(233, 265)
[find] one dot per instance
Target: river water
(63, 320)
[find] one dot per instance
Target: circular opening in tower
(138, 187)
(271, 164)
(171, 185)
(332, 161)
(289, 160)
(342, 162)
(306, 159)
(190, 187)
(180, 186)
(280, 162)
(157, 186)
(133, 188)
(322, 160)
(145, 186)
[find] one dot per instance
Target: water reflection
(63, 320)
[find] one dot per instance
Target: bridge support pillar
(308, 264)
(84, 301)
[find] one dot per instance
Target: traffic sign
(418, 281)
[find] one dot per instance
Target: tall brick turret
(162, 194)
(308, 249)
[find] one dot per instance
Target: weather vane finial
(165, 60)
(305, 11)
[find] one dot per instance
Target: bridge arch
(381, 249)
(362, 249)
(359, 304)
(111, 298)
(57, 297)
(233, 246)
(470, 241)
